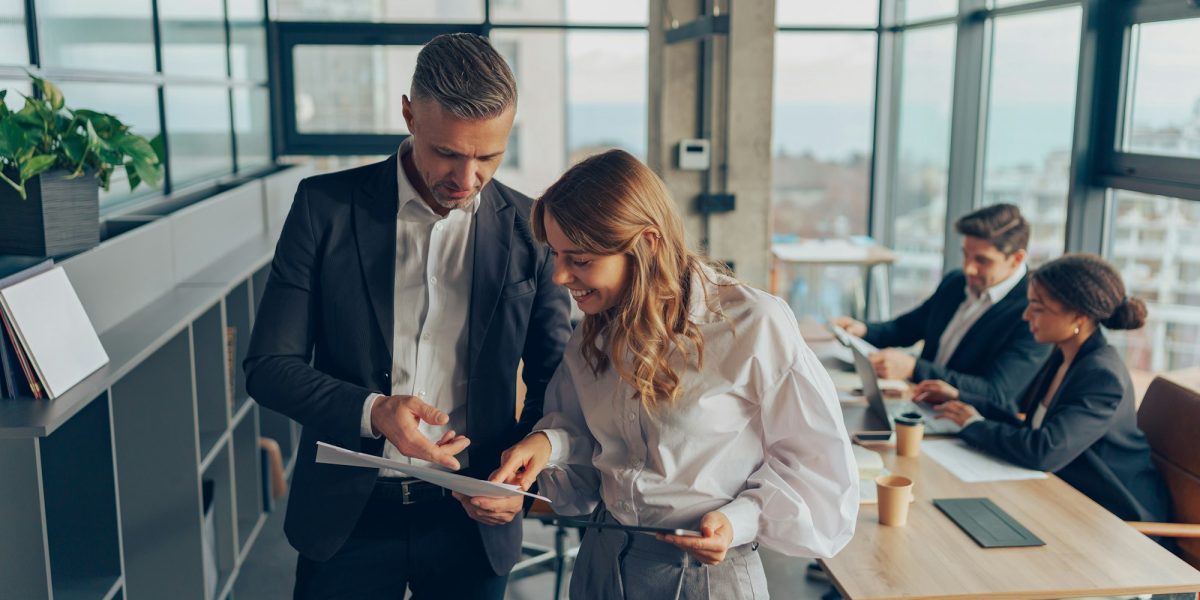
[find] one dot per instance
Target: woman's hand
(521, 464)
(934, 391)
(959, 412)
(710, 549)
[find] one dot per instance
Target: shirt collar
(997, 292)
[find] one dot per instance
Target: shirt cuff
(560, 445)
(973, 420)
(365, 429)
(743, 513)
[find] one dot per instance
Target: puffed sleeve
(803, 500)
(570, 481)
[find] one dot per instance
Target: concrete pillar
(737, 123)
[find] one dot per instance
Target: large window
(1155, 242)
(921, 163)
(1164, 98)
(14, 49)
(581, 70)
(1030, 121)
(824, 107)
(202, 90)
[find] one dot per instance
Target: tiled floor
(270, 569)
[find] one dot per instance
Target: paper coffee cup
(895, 493)
(910, 428)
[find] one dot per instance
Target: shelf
(235, 267)
(211, 444)
(128, 344)
(247, 474)
(81, 505)
(96, 588)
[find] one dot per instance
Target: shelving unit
(102, 493)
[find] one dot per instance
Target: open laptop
(882, 414)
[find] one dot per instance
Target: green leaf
(37, 165)
(149, 172)
(51, 93)
(132, 175)
(75, 146)
(135, 146)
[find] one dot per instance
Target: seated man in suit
(971, 325)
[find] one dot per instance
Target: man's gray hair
(465, 75)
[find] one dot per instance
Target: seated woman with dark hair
(1080, 418)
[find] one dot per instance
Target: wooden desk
(1088, 550)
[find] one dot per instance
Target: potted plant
(53, 160)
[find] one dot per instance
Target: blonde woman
(685, 399)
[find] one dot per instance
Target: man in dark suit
(971, 326)
(401, 298)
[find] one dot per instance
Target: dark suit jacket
(329, 300)
(1089, 435)
(996, 358)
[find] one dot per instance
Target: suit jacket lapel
(491, 239)
(375, 206)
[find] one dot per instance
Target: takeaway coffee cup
(895, 494)
(910, 428)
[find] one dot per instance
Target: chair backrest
(1170, 417)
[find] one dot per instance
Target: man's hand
(710, 549)
(397, 417)
(489, 510)
(934, 391)
(890, 363)
(851, 326)
(521, 464)
(959, 412)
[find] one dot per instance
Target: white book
(55, 332)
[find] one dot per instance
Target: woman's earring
(1076, 330)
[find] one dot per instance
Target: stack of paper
(974, 466)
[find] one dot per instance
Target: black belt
(407, 491)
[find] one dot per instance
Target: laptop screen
(870, 386)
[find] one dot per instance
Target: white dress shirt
(432, 295)
(972, 308)
(756, 434)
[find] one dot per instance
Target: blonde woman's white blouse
(756, 434)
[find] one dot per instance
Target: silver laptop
(886, 412)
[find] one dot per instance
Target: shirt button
(625, 506)
(635, 464)
(631, 416)
(438, 227)
(421, 393)
(433, 280)
(425, 336)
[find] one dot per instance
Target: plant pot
(59, 215)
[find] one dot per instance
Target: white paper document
(333, 455)
(974, 466)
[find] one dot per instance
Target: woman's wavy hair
(604, 205)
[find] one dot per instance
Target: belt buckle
(405, 497)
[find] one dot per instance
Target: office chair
(1170, 417)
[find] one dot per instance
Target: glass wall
(922, 162)
(824, 108)
(1164, 99)
(208, 99)
(14, 48)
(581, 70)
(1030, 121)
(1155, 242)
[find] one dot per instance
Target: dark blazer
(996, 358)
(1089, 435)
(322, 340)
